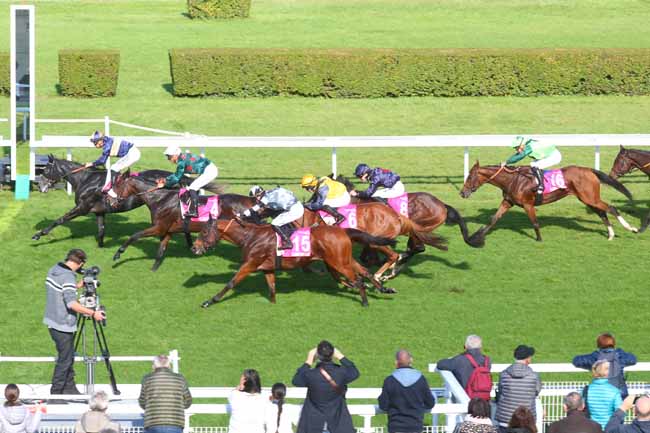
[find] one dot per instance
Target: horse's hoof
(207, 303)
(634, 230)
(116, 257)
(36, 237)
(364, 304)
(389, 290)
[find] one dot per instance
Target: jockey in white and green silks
(544, 156)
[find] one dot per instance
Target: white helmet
(255, 190)
(172, 150)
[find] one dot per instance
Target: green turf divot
(8, 215)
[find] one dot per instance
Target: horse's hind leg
(348, 272)
(270, 281)
(532, 216)
(100, 229)
(243, 271)
(645, 223)
(598, 205)
(392, 258)
(71, 214)
(603, 216)
(360, 270)
(151, 231)
(161, 251)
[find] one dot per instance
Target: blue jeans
(164, 429)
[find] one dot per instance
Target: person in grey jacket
(459, 365)
(641, 423)
(60, 316)
(518, 386)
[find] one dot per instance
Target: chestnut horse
(380, 220)
(164, 206)
(519, 187)
(330, 244)
(629, 160)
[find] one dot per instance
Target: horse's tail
(215, 188)
(454, 217)
(422, 235)
(366, 239)
(618, 186)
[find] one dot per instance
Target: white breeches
(132, 156)
(395, 191)
(339, 201)
(209, 174)
(296, 211)
(554, 158)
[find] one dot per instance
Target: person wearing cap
(281, 203)
(544, 155)
(384, 184)
(128, 153)
(518, 386)
(60, 316)
(327, 195)
(189, 163)
(641, 422)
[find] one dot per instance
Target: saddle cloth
(301, 240)
(208, 206)
(349, 211)
(553, 180)
(400, 204)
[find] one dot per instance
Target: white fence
(187, 140)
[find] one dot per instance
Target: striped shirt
(164, 396)
(61, 291)
(603, 399)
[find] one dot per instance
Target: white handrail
(557, 367)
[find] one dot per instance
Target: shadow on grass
(86, 225)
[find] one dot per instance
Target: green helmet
(518, 141)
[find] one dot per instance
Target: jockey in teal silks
(544, 155)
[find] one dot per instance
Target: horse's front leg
(151, 231)
(161, 251)
(71, 214)
(100, 229)
(243, 271)
(270, 281)
(503, 208)
(532, 216)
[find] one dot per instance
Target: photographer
(61, 310)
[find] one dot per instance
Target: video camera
(89, 297)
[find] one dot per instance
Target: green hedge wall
(368, 73)
(88, 73)
(4, 74)
(207, 9)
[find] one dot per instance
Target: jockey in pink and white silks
(544, 155)
(125, 150)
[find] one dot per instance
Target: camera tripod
(89, 354)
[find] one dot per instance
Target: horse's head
(208, 237)
(50, 175)
(623, 164)
(345, 181)
(473, 181)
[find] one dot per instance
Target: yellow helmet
(308, 181)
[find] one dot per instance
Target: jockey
(392, 186)
(189, 163)
(327, 195)
(284, 204)
(544, 155)
(126, 151)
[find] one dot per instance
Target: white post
(174, 358)
(597, 158)
(107, 131)
(32, 162)
(367, 424)
(334, 161)
(186, 429)
(465, 163)
(32, 75)
(12, 92)
(68, 156)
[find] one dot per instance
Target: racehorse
(164, 206)
(330, 244)
(429, 213)
(87, 185)
(380, 220)
(519, 188)
(629, 160)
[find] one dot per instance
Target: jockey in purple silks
(384, 184)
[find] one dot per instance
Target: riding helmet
(308, 181)
(172, 150)
(255, 191)
(96, 137)
(361, 170)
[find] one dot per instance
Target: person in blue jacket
(384, 184)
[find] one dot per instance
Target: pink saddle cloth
(400, 204)
(553, 180)
(206, 210)
(301, 240)
(349, 211)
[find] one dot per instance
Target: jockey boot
(193, 210)
(332, 211)
(539, 174)
(380, 200)
(283, 232)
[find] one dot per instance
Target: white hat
(172, 150)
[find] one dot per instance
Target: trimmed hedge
(5, 79)
(207, 9)
(371, 73)
(88, 73)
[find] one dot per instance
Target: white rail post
(32, 161)
(107, 131)
(597, 157)
(334, 161)
(186, 429)
(367, 424)
(465, 163)
(174, 359)
(68, 156)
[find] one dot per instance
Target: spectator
(641, 423)
(576, 420)
(522, 421)
(325, 408)
(164, 396)
(601, 396)
(405, 396)
(460, 365)
(16, 417)
(618, 359)
(478, 418)
(247, 404)
(280, 417)
(96, 420)
(518, 386)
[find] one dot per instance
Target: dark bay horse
(380, 220)
(627, 161)
(428, 212)
(330, 244)
(88, 197)
(164, 206)
(518, 187)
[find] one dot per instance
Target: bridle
(496, 173)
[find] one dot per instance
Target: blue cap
(96, 137)
(361, 170)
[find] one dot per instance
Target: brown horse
(627, 161)
(519, 187)
(332, 245)
(428, 212)
(380, 220)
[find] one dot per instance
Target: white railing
(12, 153)
(466, 142)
